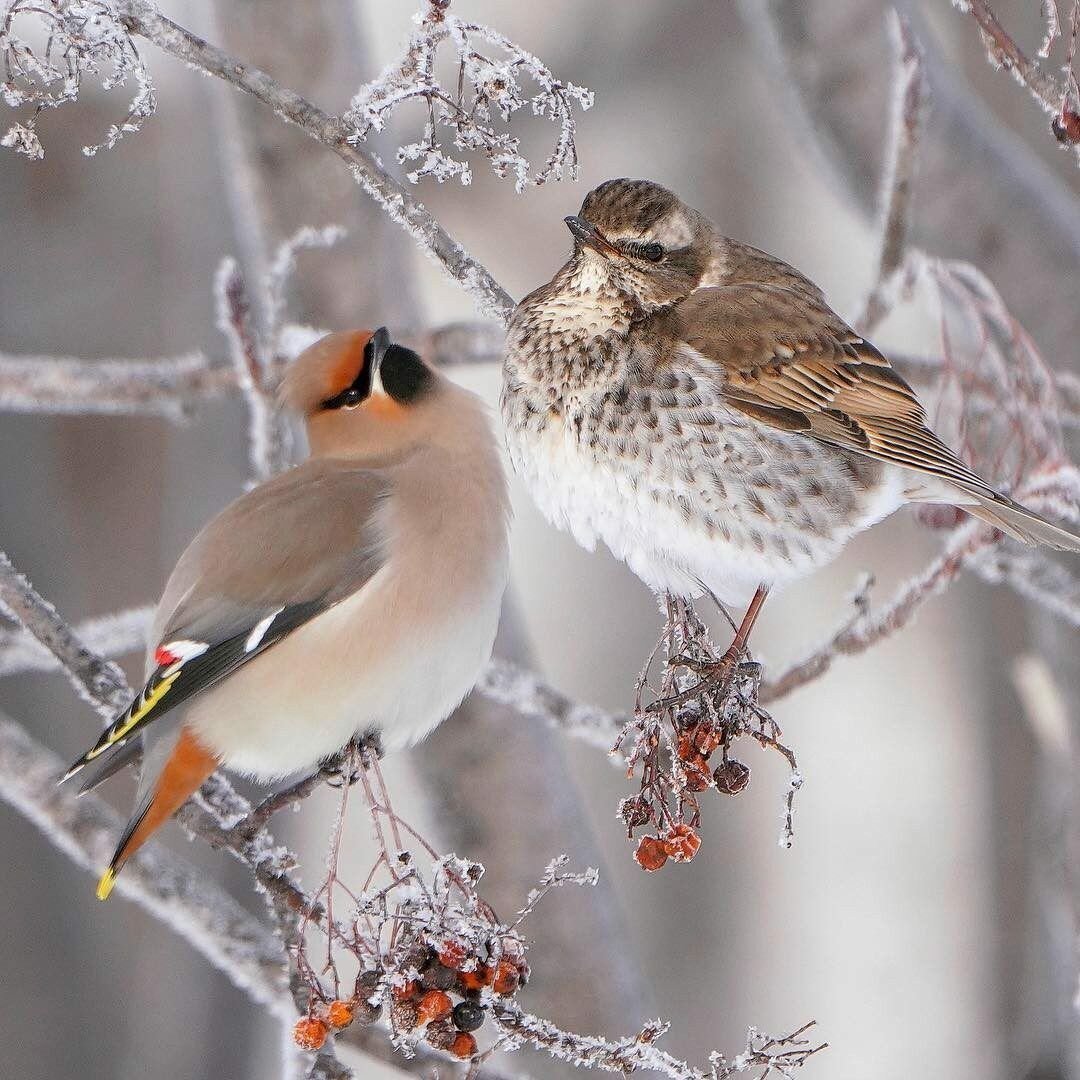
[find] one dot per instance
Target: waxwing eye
(653, 252)
(352, 398)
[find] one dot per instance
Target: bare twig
(97, 681)
(109, 636)
(235, 321)
(898, 174)
(180, 896)
(1058, 97)
(867, 629)
(639, 1052)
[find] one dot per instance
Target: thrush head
(361, 396)
(641, 240)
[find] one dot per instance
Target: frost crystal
(83, 37)
(488, 91)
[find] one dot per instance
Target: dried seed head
(731, 777)
(339, 1015)
(681, 843)
(634, 810)
(309, 1033)
(1066, 127)
(468, 1016)
(434, 1005)
(463, 1046)
(650, 854)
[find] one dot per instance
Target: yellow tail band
(105, 885)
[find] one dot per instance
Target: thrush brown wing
(793, 363)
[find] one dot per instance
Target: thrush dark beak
(378, 344)
(590, 236)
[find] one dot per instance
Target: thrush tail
(1023, 524)
(189, 764)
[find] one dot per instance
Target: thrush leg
(742, 634)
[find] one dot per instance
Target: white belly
(376, 661)
(608, 500)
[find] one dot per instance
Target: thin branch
(97, 681)
(236, 322)
(143, 19)
(639, 1052)
(867, 629)
(108, 636)
(1058, 97)
(897, 188)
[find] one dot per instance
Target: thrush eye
(653, 252)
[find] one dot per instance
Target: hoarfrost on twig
(488, 89)
(82, 37)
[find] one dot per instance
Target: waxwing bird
(356, 593)
(695, 404)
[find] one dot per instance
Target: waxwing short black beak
(588, 235)
(380, 342)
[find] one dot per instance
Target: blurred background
(924, 916)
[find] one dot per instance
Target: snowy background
(909, 919)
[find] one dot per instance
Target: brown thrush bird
(696, 404)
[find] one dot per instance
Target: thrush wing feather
(793, 363)
(241, 586)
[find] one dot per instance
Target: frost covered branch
(1059, 96)
(82, 37)
(769, 1054)
(487, 87)
(97, 681)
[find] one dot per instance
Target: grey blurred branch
(174, 388)
(898, 174)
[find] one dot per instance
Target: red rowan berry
(650, 854)
(681, 843)
(309, 1033)
(339, 1014)
(463, 1046)
(434, 1005)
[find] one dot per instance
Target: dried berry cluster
(444, 1002)
(448, 999)
(429, 948)
(705, 702)
(493, 80)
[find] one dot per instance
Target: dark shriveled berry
(731, 777)
(468, 1016)
(441, 1034)
(437, 976)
